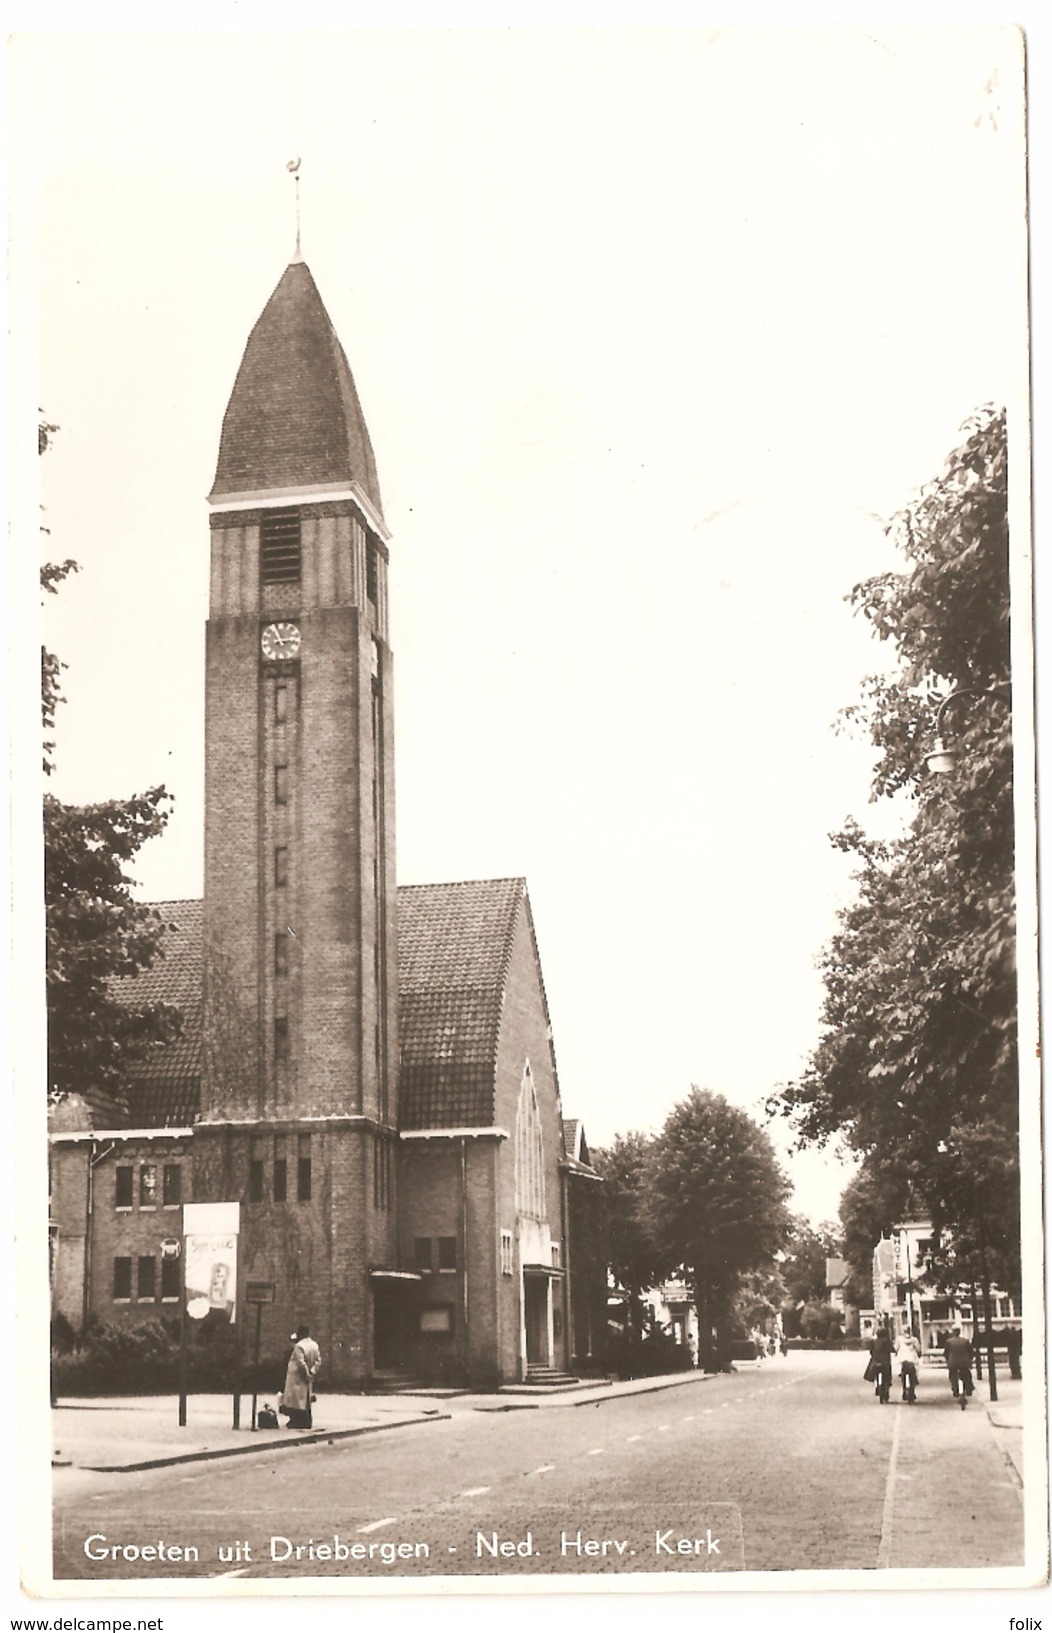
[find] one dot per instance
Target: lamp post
(942, 759)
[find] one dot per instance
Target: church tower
(300, 1066)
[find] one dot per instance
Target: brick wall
(133, 1231)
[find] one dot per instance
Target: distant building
(905, 1297)
(836, 1280)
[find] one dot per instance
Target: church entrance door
(535, 1292)
(390, 1321)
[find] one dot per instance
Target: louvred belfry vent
(279, 547)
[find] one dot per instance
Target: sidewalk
(1006, 1417)
(143, 1432)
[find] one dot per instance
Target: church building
(367, 1070)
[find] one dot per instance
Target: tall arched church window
(529, 1152)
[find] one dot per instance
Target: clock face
(280, 641)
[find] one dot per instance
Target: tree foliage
(918, 1058)
(803, 1267)
(632, 1253)
(97, 935)
(717, 1203)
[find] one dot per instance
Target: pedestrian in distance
(880, 1362)
(298, 1395)
(907, 1354)
(959, 1362)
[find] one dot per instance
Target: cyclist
(959, 1358)
(907, 1355)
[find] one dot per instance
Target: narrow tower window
(281, 785)
(303, 1169)
(279, 547)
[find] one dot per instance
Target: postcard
(534, 1021)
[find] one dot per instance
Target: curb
(675, 1382)
(610, 1393)
(313, 1438)
(1009, 1461)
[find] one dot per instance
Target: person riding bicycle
(959, 1359)
(880, 1361)
(907, 1354)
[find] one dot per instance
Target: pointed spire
(294, 420)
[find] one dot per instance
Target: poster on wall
(210, 1232)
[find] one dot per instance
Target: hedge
(114, 1358)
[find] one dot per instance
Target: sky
(653, 330)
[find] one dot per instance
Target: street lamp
(942, 760)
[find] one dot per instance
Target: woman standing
(299, 1379)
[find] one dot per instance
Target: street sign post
(258, 1293)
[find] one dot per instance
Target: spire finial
(294, 168)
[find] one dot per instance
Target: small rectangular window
(279, 547)
(169, 1279)
(122, 1277)
(281, 785)
(507, 1256)
(281, 703)
(281, 1180)
(124, 1191)
(147, 1276)
(447, 1253)
(303, 1169)
(281, 1037)
(281, 864)
(173, 1184)
(148, 1185)
(370, 568)
(422, 1254)
(255, 1180)
(438, 1319)
(556, 1256)
(281, 953)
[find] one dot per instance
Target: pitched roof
(454, 944)
(164, 1087)
(578, 1160)
(294, 419)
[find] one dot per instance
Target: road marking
(545, 1468)
(375, 1525)
(689, 1417)
(475, 1491)
(886, 1518)
(635, 1437)
(596, 1451)
(663, 1428)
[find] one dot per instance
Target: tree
(632, 1253)
(717, 1205)
(803, 1267)
(918, 1057)
(97, 935)
(873, 1201)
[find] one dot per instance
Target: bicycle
(961, 1385)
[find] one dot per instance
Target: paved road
(789, 1467)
